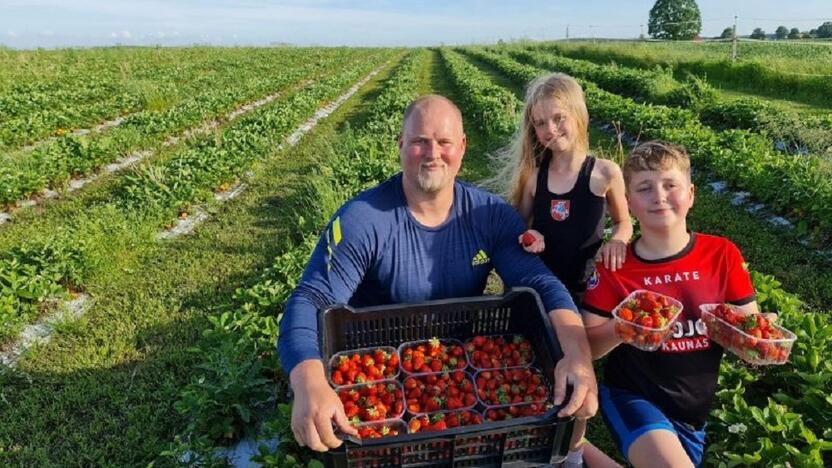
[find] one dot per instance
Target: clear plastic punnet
(352, 366)
(381, 429)
(439, 391)
(634, 330)
(518, 410)
(499, 351)
(752, 344)
(375, 401)
(512, 385)
(443, 420)
(433, 355)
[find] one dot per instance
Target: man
(421, 235)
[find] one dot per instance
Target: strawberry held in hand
(643, 319)
(528, 239)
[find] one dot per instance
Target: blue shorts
(629, 415)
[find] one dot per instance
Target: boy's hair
(656, 155)
(525, 153)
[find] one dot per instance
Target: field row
(52, 164)
(794, 186)
(789, 131)
(797, 72)
(39, 263)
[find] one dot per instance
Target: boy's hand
(613, 254)
(532, 241)
(578, 371)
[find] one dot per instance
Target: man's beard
(433, 181)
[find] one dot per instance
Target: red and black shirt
(681, 376)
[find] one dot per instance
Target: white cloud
(47, 32)
(121, 34)
(11, 34)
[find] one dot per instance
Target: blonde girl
(564, 193)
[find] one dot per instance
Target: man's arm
(575, 367)
(335, 270)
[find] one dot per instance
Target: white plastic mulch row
(40, 332)
(198, 214)
(135, 157)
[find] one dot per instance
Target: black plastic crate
(521, 442)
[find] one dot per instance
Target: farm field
(174, 355)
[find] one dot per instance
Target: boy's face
(660, 199)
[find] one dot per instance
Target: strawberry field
(174, 358)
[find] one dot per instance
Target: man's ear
(464, 143)
(401, 140)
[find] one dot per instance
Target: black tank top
(572, 224)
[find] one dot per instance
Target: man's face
(431, 147)
(660, 199)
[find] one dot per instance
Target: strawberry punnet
(752, 337)
(644, 319)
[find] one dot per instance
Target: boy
(656, 403)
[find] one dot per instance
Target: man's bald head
(426, 100)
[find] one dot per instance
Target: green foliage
(674, 20)
(794, 34)
(727, 33)
(781, 32)
(778, 415)
(758, 33)
(824, 30)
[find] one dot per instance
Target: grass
(102, 391)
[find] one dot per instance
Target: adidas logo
(481, 258)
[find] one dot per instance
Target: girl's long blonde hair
(525, 153)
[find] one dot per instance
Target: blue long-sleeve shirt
(374, 252)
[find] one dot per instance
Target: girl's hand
(613, 254)
(532, 241)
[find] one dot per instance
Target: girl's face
(554, 125)
(661, 199)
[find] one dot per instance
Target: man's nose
(432, 149)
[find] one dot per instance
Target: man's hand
(315, 407)
(583, 402)
(575, 367)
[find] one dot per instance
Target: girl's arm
(614, 251)
(527, 200)
(600, 334)
(531, 240)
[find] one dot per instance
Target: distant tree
(813, 33)
(781, 32)
(794, 34)
(825, 30)
(727, 33)
(758, 34)
(675, 20)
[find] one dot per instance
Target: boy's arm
(600, 333)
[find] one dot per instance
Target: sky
(49, 23)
